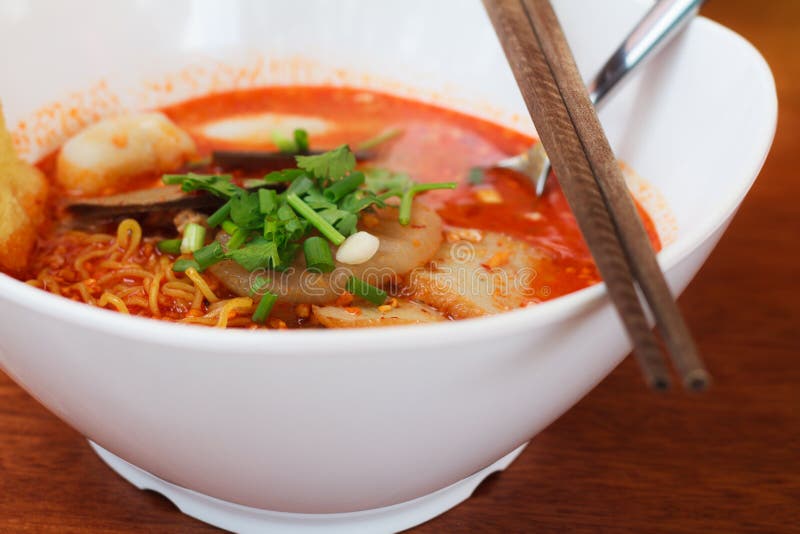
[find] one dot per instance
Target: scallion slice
(318, 255)
(229, 227)
(308, 213)
(258, 284)
(283, 144)
(237, 239)
(209, 255)
(270, 228)
(264, 307)
(194, 236)
(346, 185)
(170, 246)
(182, 264)
(360, 288)
(267, 200)
(300, 185)
(219, 216)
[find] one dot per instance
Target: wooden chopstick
(631, 231)
(593, 184)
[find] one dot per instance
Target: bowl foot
(237, 518)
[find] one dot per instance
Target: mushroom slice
(406, 312)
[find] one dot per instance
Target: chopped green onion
(300, 185)
(267, 200)
(182, 264)
(194, 236)
(237, 239)
(382, 137)
(270, 228)
(220, 215)
(258, 285)
(346, 185)
(238, 235)
(301, 140)
(284, 144)
(209, 255)
(408, 198)
(170, 246)
(229, 227)
(318, 255)
(264, 307)
(324, 227)
(366, 291)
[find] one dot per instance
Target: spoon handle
(659, 25)
(664, 20)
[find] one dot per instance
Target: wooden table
(624, 459)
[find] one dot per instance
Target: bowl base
(237, 518)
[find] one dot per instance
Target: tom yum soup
(290, 207)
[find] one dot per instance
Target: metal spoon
(660, 24)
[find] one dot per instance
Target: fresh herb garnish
(182, 265)
(220, 216)
(209, 255)
(258, 284)
(170, 246)
(329, 166)
(318, 255)
(325, 195)
(298, 144)
(366, 291)
(319, 222)
(194, 237)
(264, 307)
(217, 184)
(257, 254)
(408, 198)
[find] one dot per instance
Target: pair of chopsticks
(593, 184)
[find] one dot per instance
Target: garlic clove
(358, 248)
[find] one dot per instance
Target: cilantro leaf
(331, 165)
(347, 224)
(286, 175)
(317, 200)
(257, 254)
(246, 211)
(360, 200)
(217, 184)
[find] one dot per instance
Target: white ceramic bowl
(338, 421)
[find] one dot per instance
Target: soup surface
(485, 246)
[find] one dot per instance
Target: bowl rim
(331, 341)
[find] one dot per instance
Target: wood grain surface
(624, 459)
